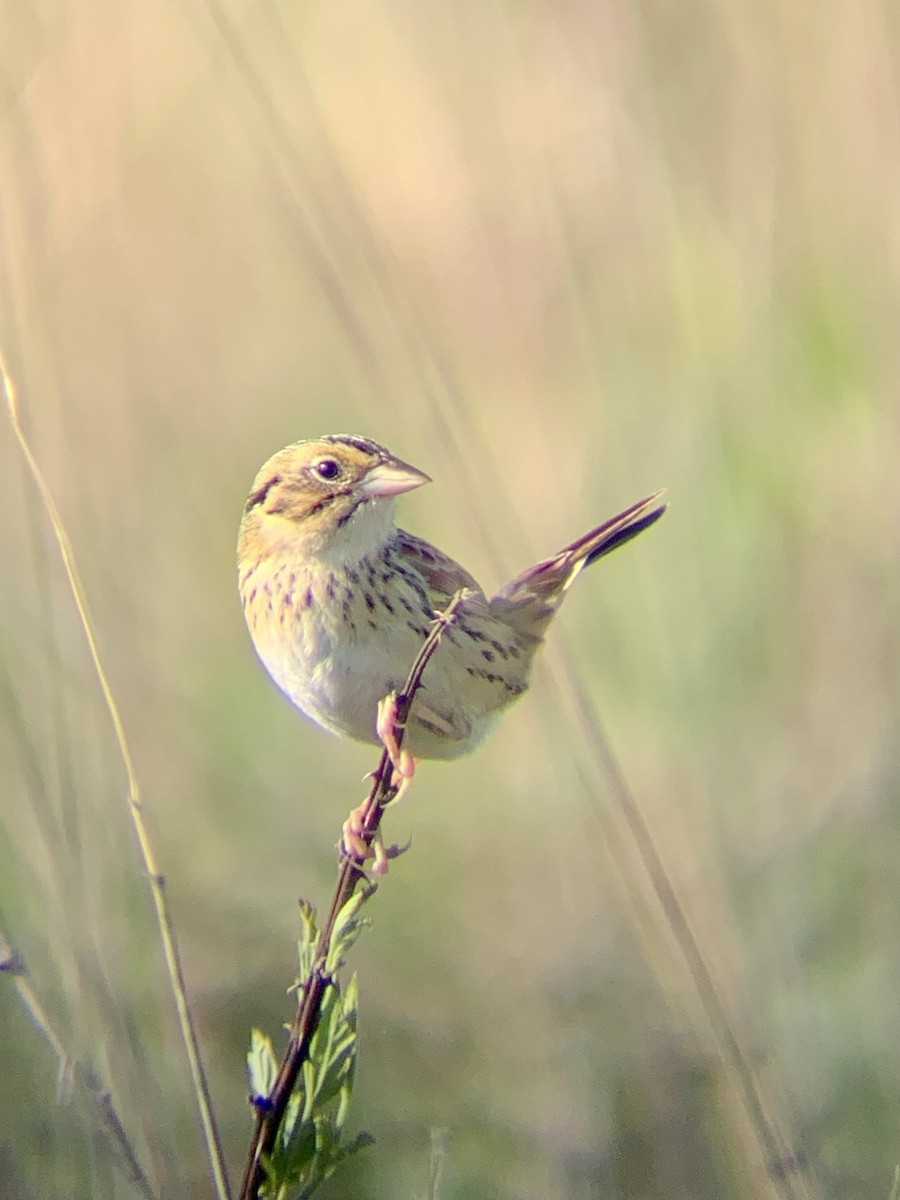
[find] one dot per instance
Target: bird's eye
(327, 468)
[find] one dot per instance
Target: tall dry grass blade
(759, 1109)
(74, 1072)
(157, 880)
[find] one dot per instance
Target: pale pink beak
(390, 478)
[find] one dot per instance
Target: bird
(338, 600)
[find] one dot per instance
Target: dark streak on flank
(487, 676)
(433, 727)
(514, 689)
(414, 579)
(288, 592)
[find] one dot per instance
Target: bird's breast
(335, 642)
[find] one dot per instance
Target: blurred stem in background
(553, 253)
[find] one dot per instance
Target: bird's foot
(355, 845)
(386, 726)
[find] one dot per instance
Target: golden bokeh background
(557, 255)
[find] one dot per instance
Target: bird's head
(332, 497)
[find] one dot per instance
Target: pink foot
(386, 728)
(352, 840)
(353, 843)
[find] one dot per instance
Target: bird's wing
(442, 575)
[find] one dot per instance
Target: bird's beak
(390, 478)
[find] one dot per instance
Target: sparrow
(338, 600)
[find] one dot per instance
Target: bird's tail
(531, 599)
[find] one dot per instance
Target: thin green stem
(312, 990)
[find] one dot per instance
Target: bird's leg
(402, 761)
(353, 842)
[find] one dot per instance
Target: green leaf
(262, 1065)
(310, 1142)
(309, 936)
(347, 927)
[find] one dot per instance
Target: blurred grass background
(557, 255)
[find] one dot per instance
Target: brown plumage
(338, 600)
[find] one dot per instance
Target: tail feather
(636, 520)
(531, 599)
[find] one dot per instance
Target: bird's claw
(386, 726)
(358, 842)
(382, 854)
(353, 840)
(355, 845)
